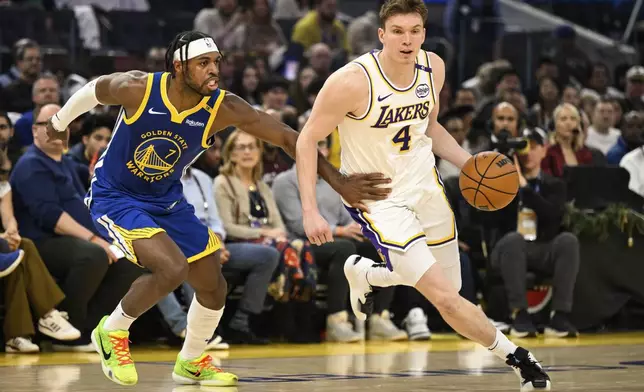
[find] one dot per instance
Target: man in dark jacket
(529, 237)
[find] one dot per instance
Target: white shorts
(421, 214)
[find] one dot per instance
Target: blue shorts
(122, 218)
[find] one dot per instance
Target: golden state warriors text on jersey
(150, 150)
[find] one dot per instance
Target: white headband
(196, 48)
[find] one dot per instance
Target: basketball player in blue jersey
(136, 199)
(385, 105)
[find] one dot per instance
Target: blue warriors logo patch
(157, 154)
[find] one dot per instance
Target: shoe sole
(529, 387)
(46, 331)
(354, 295)
(11, 350)
(515, 334)
(106, 370)
(553, 333)
(420, 337)
(208, 383)
(13, 266)
(383, 338)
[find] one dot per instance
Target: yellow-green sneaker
(114, 350)
(201, 371)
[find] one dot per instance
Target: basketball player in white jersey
(385, 104)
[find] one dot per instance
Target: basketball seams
(501, 175)
(483, 176)
(488, 200)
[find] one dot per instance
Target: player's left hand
(357, 188)
(317, 229)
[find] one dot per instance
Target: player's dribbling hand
(317, 229)
(53, 134)
(357, 188)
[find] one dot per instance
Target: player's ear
(177, 67)
(381, 35)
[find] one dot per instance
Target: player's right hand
(53, 134)
(317, 229)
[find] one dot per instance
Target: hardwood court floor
(607, 362)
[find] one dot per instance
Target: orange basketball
(489, 181)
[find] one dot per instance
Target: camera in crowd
(504, 143)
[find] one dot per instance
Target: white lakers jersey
(389, 137)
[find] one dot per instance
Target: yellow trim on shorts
(213, 245)
(452, 236)
(175, 116)
(124, 238)
(213, 114)
(144, 102)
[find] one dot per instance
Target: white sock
(382, 277)
(118, 320)
(502, 346)
(202, 323)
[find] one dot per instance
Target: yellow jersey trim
(175, 116)
(211, 119)
(387, 82)
(144, 102)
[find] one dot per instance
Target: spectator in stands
(362, 33)
(6, 137)
(299, 95)
(599, 81)
(533, 241)
(507, 88)
(220, 20)
(249, 214)
(319, 57)
(246, 83)
(588, 101)
(49, 208)
(257, 34)
(635, 88)
(290, 9)
(16, 96)
(254, 262)
(321, 25)
(97, 132)
(547, 101)
(631, 138)
(505, 121)
(26, 54)
(568, 148)
(571, 95)
(274, 93)
(465, 97)
(453, 122)
(332, 255)
(634, 163)
(546, 68)
(601, 134)
(45, 91)
(210, 160)
(155, 59)
(618, 111)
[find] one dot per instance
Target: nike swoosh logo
(106, 356)
(151, 111)
(380, 99)
(196, 374)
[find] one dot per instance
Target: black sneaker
(561, 327)
(530, 373)
(238, 336)
(522, 326)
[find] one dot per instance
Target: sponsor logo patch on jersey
(422, 91)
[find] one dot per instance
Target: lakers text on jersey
(395, 125)
(136, 190)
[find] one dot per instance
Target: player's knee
(447, 302)
(173, 273)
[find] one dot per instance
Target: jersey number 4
(402, 138)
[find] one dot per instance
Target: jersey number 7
(404, 138)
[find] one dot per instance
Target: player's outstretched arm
(123, 88)
(443, 143)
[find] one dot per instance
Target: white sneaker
(21, 345)
(339, 329)
(416, 325)
(355, 269)
(55, 325)
(382, 328)
(217, 344)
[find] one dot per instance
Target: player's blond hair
(228, 168)
(401, 7)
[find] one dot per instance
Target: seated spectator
(6, 137)
(454, 124)
(250, 215)
(465, 97)
(601, 134)
(299, 90)
(631, 138)
(571, 95)
(320, 58)
(568, 148)
(16, 96)
(332, 255)
(547, 101)
(258, 34)
(219, 20)
(47, 196)
(599, 81)
(256, 262)
(45, 91)
(97, 132)
(246, 83)
(321, 25)
(210, 160)
(634, 163)
(635, 88)
(362, 33)
(533, 241)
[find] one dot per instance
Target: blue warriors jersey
(150, 150)
(136, 190)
